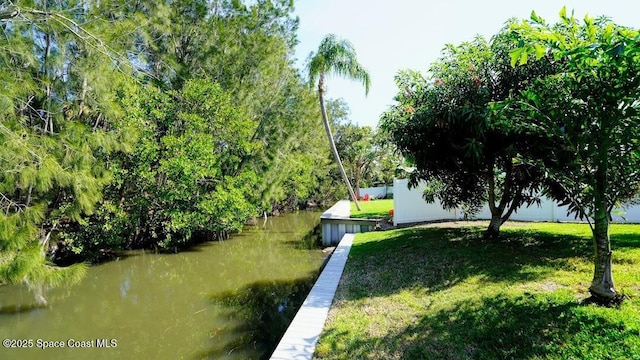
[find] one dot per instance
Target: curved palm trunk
(327, 128)
(358, 175)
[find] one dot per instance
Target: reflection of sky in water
(160, 305)
(124, 287)
(283, 306)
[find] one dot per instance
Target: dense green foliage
(128, 124)
(590, 111)
(469, 155)
(564, 122)
(444, 293)
(60, 121)
(184, 177)
(369, 158)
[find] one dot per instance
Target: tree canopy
(468, 154)
(589, 111)
(541, 108)
(147, 124)
(337, 56)
(59, 124)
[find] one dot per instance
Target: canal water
(219, 300)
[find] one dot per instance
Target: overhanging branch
(9, 12)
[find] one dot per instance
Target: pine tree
(57, 128)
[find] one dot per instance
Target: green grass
(374, 209)
(444, 293)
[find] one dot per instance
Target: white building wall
(377, 191)
(627, 214)
(409, 206)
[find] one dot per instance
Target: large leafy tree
(468, 154)
(184, 179)
(162, 191)
(336, 56)
(388, 162)
(590, 111)
(59, 123)
(82, 78)
(367, 155)
(358, 151)
(246, 47)
(353, 142)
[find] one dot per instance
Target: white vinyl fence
(378, 191)
(409, 206)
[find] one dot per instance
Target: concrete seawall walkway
(300, 339)
(336, 222)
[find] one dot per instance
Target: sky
(390, 35)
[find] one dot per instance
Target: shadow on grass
(625, 239)
(261, 313)
(438, 258)
(384, 215)
(507, 325)
(501, 327)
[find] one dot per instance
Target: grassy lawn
(375, 209)
(444, 293)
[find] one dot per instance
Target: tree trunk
(83, 96)
(357, 177)
(9, 13)
(602, 284)
(493, 231)
(507, 199)
(48, 124)
(332, 143)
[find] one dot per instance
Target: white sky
(390, 35)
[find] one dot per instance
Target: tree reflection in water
(262, 312)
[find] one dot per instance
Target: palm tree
(336, 56)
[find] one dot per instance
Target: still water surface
(219, 300)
